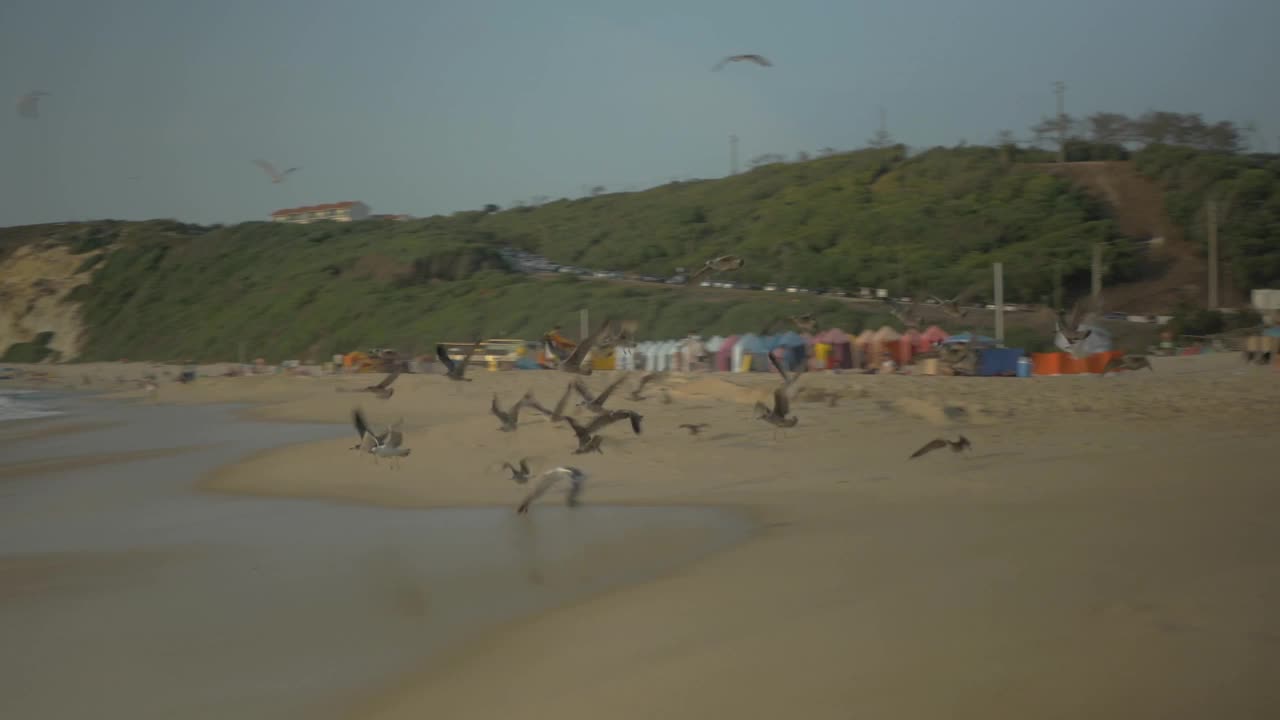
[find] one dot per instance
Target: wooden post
(1213, 254)
(583, 328)
(998, 287)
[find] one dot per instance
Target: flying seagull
(589, 441)
(724, 263)
(1128, 362)
(777, 415)
(906, 314)
(694, 428)
(456, 370)
(386, 445)
(1069, 328)
(595, 403)
(520, 475)
(952, 307)
(557, 414)
(269, 169)
(645, 380)
(29, 104)
(510, 418)
(806, 323)
(573, 363)
(956, 446)
(383, 389)
(368, 438)
(572, 475)
(788, 379)
(757, 59)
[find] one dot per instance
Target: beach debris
(724, 263)
(746, 57)
(1128, 362)
(510, 418)
(595, 403)
(520, 475)
(456, 370)
(645, 380)
(275, 175)
(694, 428)
(568, 473)
(557, 414)
(956, 446)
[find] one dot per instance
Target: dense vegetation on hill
(170, 291)
(931, 221)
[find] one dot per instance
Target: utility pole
(997, 282)
(1057, 286)
(1095, 292)
(1213, 254)
(733, 154)
(1060, 89)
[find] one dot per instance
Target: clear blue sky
(429, 107)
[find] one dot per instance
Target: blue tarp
(966, 337)
(527, 363)
(1272, 331)
(998, 361)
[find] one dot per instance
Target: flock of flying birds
(388, 442)
(28, 106)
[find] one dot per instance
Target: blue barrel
(1024, 366)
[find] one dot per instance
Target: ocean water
(125, 594)
(25, 405)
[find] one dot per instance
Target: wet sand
(120, 582)
(1108, 549)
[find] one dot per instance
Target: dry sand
(1110, 548)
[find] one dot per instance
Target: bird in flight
(751, 57)
(724, 263)
(1128, 362)
(269, 169)
(29, 104)
(955, 445)
(694, 428)
(456, 370)
(573, 475)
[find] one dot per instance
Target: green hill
(935, 221)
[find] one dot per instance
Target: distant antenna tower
(882, 138)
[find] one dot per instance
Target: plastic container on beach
(1024, 366)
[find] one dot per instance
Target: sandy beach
(1109, 548)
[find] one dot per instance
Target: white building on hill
(337, 212)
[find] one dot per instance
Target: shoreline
(1089, 511)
